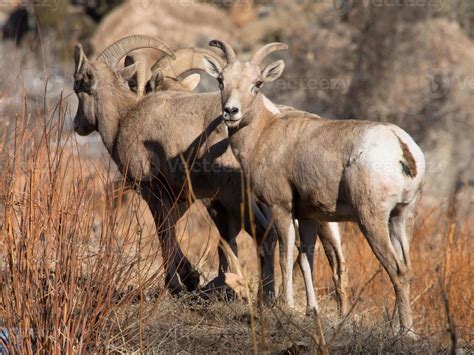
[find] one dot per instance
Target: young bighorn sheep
(305, 167)
(149, 138)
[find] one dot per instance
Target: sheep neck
(244, 140)
(113, 104)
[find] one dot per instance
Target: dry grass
(71, 263)
(77, 270)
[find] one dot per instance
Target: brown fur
(408, 163)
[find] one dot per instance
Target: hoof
(220, 290)
(191, 280)
(313, 312)
(197, 298)
(409, 334)
(269, 299)
(175, 290)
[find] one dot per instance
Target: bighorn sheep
(103, 102)
(305, 167)
(144, 79)
(156, 140)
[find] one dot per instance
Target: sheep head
(102, 73)
(240, 82)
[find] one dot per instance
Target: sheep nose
(231, 110)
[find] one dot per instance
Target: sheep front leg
(286, 237)
(266, 237)
(308, 229)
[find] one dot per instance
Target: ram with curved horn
(103, 103)
(113, 54)
(185, 59)
(181, 118)
(320, 169)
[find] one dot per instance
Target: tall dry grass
(72, 264)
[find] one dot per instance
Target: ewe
(305, 167)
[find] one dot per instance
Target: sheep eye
(258, 84)
(220, 82)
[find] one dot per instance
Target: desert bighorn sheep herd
(304, 172)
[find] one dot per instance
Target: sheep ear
(273, 71)
(88, 75)
(211, 66)
(156, 80)
(79, 58)
(191, 81)
(128, 72)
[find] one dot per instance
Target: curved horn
(186, 59)
(261, 53)
(115, 52)
(226, 48)
(79, 57)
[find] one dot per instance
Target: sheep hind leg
(375, 228)
(331, 241)
(400, 225)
